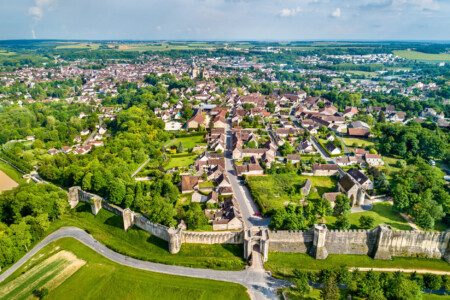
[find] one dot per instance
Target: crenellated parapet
(380, 243)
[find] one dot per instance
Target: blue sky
(225, 19)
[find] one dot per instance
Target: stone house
(373, 160)
(361, 178)
(349, 187)
(325, 169)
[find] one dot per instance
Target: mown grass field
(182, 160)
(383, 213)
(361, 143)
(283, 264)
(108, 229)
(101, 278)
(188, 142)
(271, 192)
(415, 55)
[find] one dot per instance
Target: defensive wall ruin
(379, 243)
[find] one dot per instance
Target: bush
(40, 293)
(366, 222)
(432, 282)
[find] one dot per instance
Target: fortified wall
(379, 243)
(174, 237)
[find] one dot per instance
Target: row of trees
(339, 282)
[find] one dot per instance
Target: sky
(268, 20)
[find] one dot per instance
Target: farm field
(6, 182)
(381, 212)
(283, 264)
(100, 278)
(142, 47)
(272, 192)
(108, 229)
(415, 55)
(86, 46)
(47, 274)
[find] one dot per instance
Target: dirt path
(419, 271)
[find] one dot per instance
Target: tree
(330, 290)
(342, 205)
(366, 222)
(195, 218)
(342, 222)
(301, 282)
(402, 288)
(432, 282)
(117, 191)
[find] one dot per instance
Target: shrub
(366, 222)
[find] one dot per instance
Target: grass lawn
(180, 160)
(283, 264)
(188, 142)
(100, 278)
(390, 164)
(108, 229)
(358, 142)
(415, 55)
(381, 212)
(271, 191)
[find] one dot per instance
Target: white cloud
(289, 12)
(336, 13)
(37, 10)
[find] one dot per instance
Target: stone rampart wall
(290, 241)
(213, 237)
(414, 243)
(350, 242)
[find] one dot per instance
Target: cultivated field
(6, 183)
(99, 278)
(86, 46)
(48, 274)
(415, 55)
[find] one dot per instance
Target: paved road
(259, 284)
(249, 209)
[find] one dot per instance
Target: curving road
(260, 285)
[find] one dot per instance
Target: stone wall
(290, 241)
(411, 243)
(213, 237)
(174, 237)
(380, 243)
(350, 241)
